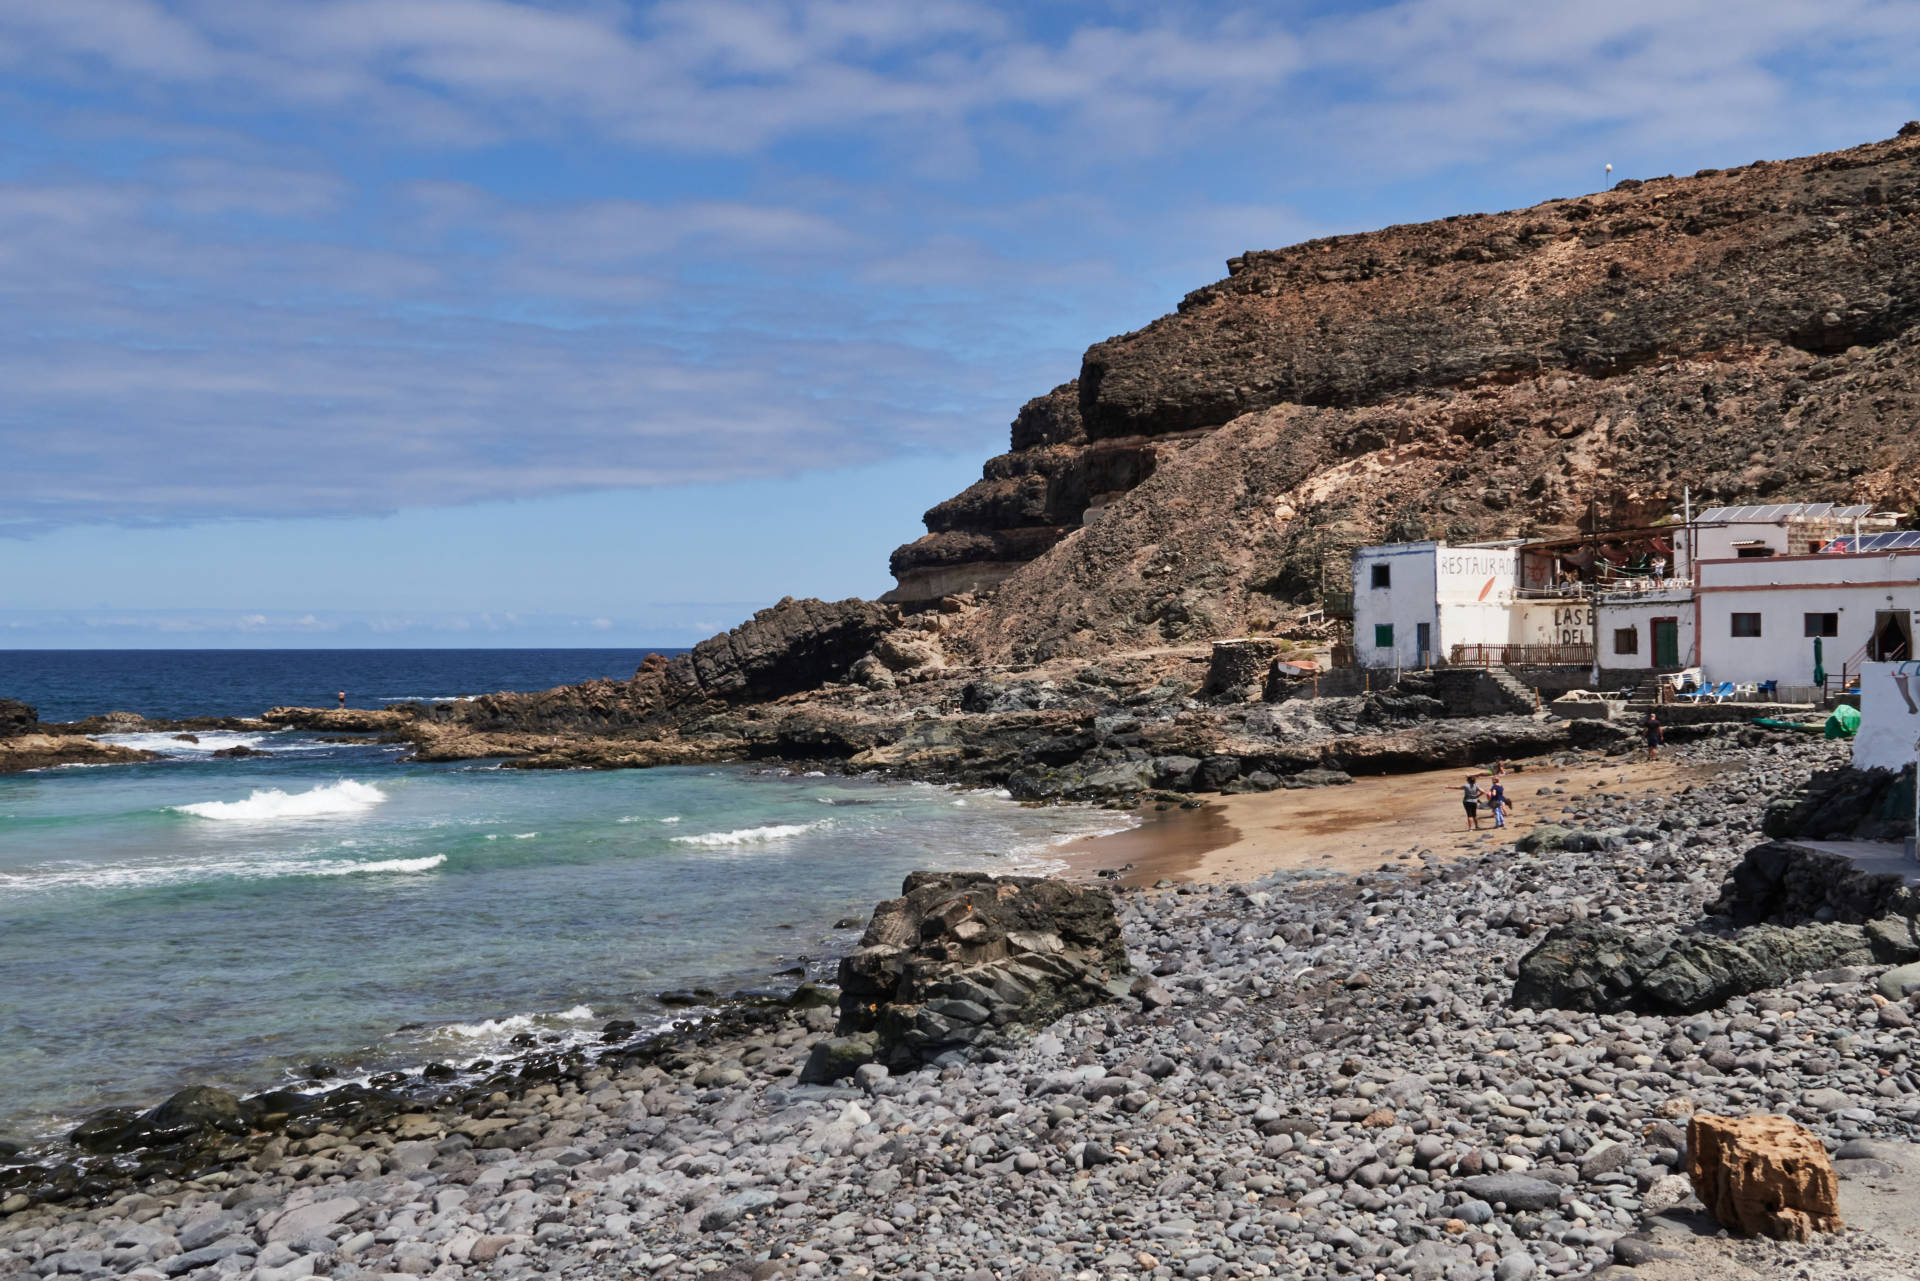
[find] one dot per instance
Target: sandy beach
(1360, 826)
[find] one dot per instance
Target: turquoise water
(231, 921)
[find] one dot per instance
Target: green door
(1666, 642)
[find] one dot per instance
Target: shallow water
(230, 921)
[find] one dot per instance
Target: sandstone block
(1763, 1175)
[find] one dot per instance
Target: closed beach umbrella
(1819, 667)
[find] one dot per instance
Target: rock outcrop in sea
(26, 743)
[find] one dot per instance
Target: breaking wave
(267, 804)
(750, 835)
(488, 1029)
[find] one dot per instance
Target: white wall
(1463, 594)
(1783, 590)
(1889, 718)
(1410, 599)
(1638, 612)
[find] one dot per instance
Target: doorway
(1892, 637)
(1666, 642)
(1423, 641)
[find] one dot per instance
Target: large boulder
(796, 645)
(1788, 882)
(963, 961)
(1587, 965)
(1845, 804)
(1763, 1176)
(17, 717)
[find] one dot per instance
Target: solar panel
(1781, 511)
(1895, 540)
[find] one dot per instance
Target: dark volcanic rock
(17, 717)
(200, 1107)
(1586, 965)
(796, 645)
(1845, 804)
(1788, 883)
(963, 961)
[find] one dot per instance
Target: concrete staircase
(1482, 691)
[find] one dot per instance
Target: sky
(596, 322)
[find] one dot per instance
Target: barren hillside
(1748, 332)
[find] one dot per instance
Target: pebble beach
(1323, 1077)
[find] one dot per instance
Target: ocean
(238, 921)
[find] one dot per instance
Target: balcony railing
(1521, 656)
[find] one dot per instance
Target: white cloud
(281, 258)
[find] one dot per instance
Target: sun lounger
(1723, 692)
(1703, 690)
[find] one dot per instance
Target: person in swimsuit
(1470, 798)
(343, 698)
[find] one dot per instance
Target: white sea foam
(490, 1029)
(211, 741)
(426, 864)
(268, 804)
(524, 836)
(75, 874)
(1041, 857)
(752, 835)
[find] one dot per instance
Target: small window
(1746, 624)
(1383, 635)
(1752, 553)
(1823, 624)
(1383, 577)
(1626, 640)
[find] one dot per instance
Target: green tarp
(1843, 723)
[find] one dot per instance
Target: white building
(1411, 600)
(1417, 604)
(1756, 618)
(1650, 630)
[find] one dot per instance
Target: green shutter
(1383, 635)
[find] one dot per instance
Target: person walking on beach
(1497, 800)
(1655, 735)
(1470, 797)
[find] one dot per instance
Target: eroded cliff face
(1748, 332)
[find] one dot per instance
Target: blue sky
(592, 322)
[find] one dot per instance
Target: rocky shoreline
(1311, 1076)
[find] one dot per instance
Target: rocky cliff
(1749, 332)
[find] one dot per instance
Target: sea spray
(268, 804)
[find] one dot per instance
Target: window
(1626, 640)
(1383, 635)
(1752, 552)
(1383, 576)
(1823, 624)
(1746, 624)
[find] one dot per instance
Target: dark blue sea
(75, 683)
(231, 921)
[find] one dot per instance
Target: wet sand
(1356, 827)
